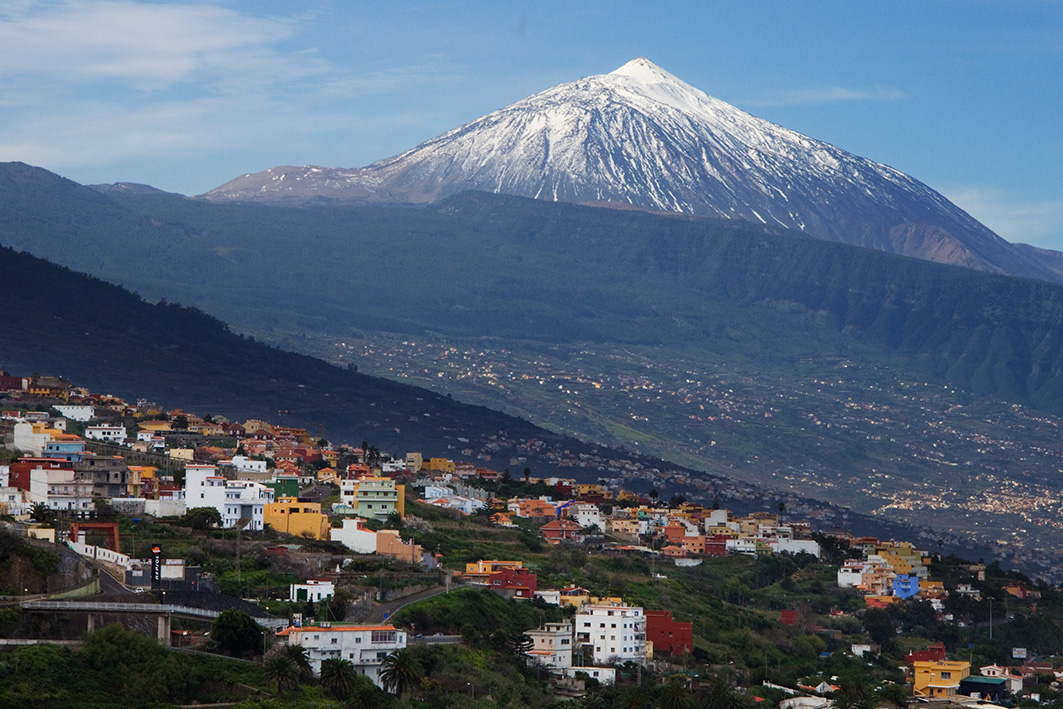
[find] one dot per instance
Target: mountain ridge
(639, 136)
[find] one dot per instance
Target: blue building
(905, 586)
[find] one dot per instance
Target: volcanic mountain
(639, 137)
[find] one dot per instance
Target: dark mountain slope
(97, 335)
(106, 338)
(507, 267)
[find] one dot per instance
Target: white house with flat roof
(110, 434)
(615, 632)
(234, 499)
(364, 646)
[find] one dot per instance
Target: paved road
(383, 611)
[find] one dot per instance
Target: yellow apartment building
(301, 519)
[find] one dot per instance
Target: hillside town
(75, 459)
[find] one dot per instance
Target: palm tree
(401, 672)
(721, 695)
(300, 658)
(854, 692)
(41, 513)
(675, 695)
(282, 672)
(338, 677)
(364, 695)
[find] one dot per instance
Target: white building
(605, 675)
(246, 500)
(31, 438)
(741, 546)
(313, 590)
(234, 499)
(465, 505)
(434, 492)
(364, 646)
(552, 645)
(110, 434)
(13, 501)
(586, 515)
(851, 574)
(59, 489)
(794, 546)
(549, 595)
(152, 439)
(615, 632)
(243, 464)
(355, 536)
(76, 412)
(716, 518)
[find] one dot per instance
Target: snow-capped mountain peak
(640, 137)
(643, 77)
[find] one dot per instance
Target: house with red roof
(562, 530)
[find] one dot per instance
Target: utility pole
(240, 524)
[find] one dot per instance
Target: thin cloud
(1039, 223)
(85, 83)
(833, 94)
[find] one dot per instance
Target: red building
(20, 469)
(8, 382)
(562, 530)
(935, 652)
(667, 635)
(716, 545)
(674, 532)
(514, 583)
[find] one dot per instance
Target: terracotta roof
(334, 628)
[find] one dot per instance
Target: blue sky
(964, 95)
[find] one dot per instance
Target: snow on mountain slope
(640, 137)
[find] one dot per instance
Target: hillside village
(83, 470)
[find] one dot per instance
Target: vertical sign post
(156, 566)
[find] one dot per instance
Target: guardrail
(146, 608)
(434, 639)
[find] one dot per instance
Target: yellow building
(156, 426)
(440, 465)
(933, 678)
(137, 475)
(478, 571)
(628, 527)
(302, 519)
